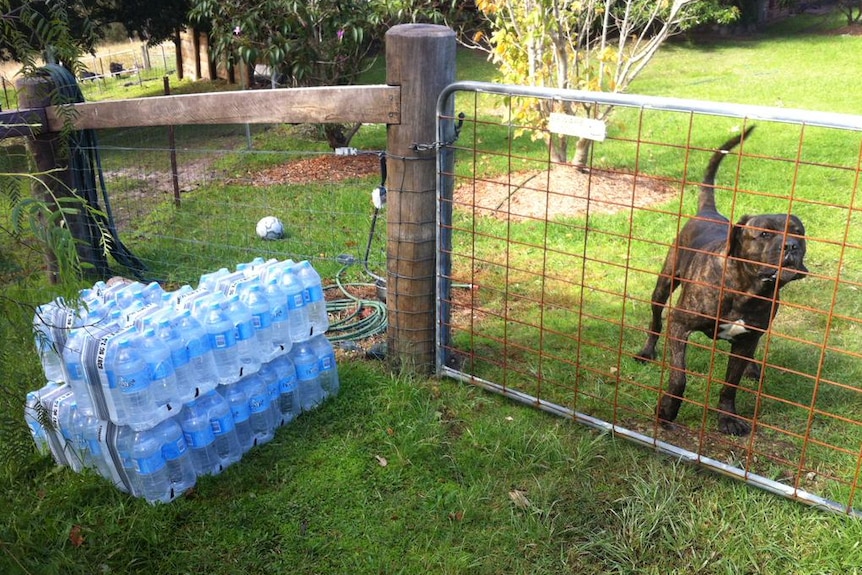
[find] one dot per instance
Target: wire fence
(547, 273)
(107, 71)
(192, 208)
(137, 65)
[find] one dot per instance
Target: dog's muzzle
(792, 266)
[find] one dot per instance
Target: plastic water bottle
(307, 376)
(210, 280)
(274, 411)
(281, 340)
(270, 380)
(312, 291)
(288, 400)
(246, 341)
(123, 446)
(185, 377)
(48, 349)
(175, 450)
(251, 269)
(326, 361)
(297, 313)
(89, 427)
(201, 359)
(261, 317)
(222, 336)
(73, 365)
(32, 410)
(260, 413)
(221, 420)
(199, 436)
(151, 467)
(73, 440)
(157, 355)
(129, 295)
(152, 293)
(129, 384)
(239, 408)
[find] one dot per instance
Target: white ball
(270, 228)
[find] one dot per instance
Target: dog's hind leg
(665, 285)
(671, 399)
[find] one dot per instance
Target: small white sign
(567, 125)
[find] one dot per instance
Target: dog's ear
(734, 242)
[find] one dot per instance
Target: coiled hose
(365, 317)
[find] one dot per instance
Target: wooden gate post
(55, 180)
(420, 58)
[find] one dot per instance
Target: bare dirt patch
(854, 29)
(562, 191)
(326, 168)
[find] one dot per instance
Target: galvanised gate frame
(544, 277)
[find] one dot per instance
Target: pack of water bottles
(153, 389)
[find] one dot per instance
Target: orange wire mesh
(550, 269)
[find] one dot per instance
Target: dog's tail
(706, 200)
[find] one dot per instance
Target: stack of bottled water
(152, 389)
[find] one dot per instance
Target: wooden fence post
(55, 180)
(420, 58)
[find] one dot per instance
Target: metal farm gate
(546, 272)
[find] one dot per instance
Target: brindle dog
(730, 277)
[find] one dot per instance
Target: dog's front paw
(752, 371)
(732, 425)
(645, 355)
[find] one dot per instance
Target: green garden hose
(365, 317)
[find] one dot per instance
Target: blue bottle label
(259, 402)
(307, 372)
(278, 314)
(150, 464)
(295, 301)
(244, 331)
(223, 424)
(197, 346)
(179, 356)
(174, 449)
(161, 370)
(94, 447)
(327, 362)
(261, 320)
(199, 439)
(313, 294)
(76, 370)
(240, 412)
(134, 382)
(223, 340)
(287, 384)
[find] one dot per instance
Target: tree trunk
(559, 148)
(582, 153)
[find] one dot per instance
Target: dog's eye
(765, 234)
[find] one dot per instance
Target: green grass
(473, 483)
